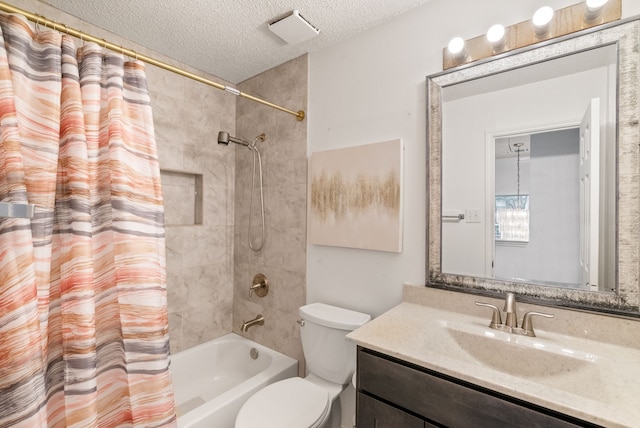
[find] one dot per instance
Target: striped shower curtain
(83, 316)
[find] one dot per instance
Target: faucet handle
(260, 285)
(527, 324)
(496, 319)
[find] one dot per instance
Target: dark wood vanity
(393, 393)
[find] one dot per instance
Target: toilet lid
(289, 403)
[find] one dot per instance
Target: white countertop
(591, 380)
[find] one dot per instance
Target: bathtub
(211, 381)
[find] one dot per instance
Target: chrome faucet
(510, 324)
(259, 320)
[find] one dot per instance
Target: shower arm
(239, 141)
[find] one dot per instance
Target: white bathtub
(213, 380)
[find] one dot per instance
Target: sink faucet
(510, 311)
(510, 324)
(259, 320)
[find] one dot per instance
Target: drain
(253, 353)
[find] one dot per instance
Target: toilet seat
(289, 403)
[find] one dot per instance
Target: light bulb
(456, 46)
(595, 4)
(594, 7)
(542, 16)
(541, 20)
(495, 33)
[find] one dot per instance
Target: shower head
(225, 138)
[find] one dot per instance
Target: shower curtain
(83, 316)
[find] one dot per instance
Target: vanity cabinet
(375, 413)
(393, 393)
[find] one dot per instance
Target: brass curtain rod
(38, 19)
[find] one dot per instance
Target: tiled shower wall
(283, 257)
(187, 118)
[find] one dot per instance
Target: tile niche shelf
(182, 193)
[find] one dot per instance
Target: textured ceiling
(230, 38)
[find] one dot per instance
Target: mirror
(533, 172)
(531, 177)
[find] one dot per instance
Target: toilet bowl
(310, 402)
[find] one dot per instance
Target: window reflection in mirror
(548, 218)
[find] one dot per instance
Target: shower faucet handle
(260, 286)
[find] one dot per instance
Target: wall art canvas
(355, 197)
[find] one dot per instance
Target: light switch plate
(472, 216)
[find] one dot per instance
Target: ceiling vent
(293, 28)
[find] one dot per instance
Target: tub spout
(259, 320)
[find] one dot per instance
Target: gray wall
(187, 118)
(283, 257)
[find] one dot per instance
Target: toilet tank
(327, 351)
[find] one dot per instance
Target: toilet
(331, 362)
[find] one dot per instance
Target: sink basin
(532, 358)
(588, 378)
(518, 355)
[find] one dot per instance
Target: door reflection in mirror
(549, 177)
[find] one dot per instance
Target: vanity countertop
(588, 379)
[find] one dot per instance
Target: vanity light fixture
(546, 24)
(594, 8)
(542, 20)
(456, 47)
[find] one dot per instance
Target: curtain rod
(38, 19)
